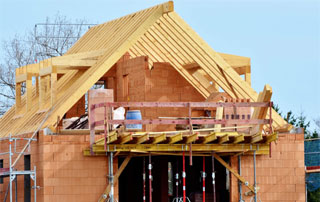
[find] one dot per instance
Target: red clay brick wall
(77, 109)
(163, 83)
(281, 177)
(135, 70)
(63, 173)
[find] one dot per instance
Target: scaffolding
(199, 142)
(13, 173)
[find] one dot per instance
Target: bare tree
(49, 39)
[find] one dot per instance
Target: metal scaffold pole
(111, 176)
(144, 179)
(184, 176)
(255, 177)
(10, 168)
(177, 180)
(240, 183)
(204, 179)
(150, 178)
(12, 173)
(213, 179)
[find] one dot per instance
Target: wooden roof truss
(158, 32)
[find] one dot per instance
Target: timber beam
(235, 173)
(208, 138)
(260, 149)
(158, 139)
(190, 138)
(140, 138)
(124, 138)
(271, 138)
(256, 138)
(174, 138)
(237, 139)
(223, 139)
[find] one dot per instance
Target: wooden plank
(256, 138)
(208, 138)
(271, 138)
(141, 138)
(53, 79)
(18, 97)
(45, 71)
(112, 138)
(29, 92)
(229, 133)
(198, 75)
(247, 78)
(239, 63)
(190, 66)
(174, 138)
(158, 139)
(66, 63)
(235, 173)
(21, 78)
(223, 139)
(116, 177)
(261, 112)
(260, 148)
(219, 116)
(125, 138)
(190, 138)
(239, 138)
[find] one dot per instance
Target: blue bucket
(133, 115)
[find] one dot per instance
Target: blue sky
(281, 37)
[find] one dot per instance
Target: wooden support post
(42, 89)
(261, 112)
(29, 92)
(247, 78)
(53, 78)
(37, 86)
(18, 97)
(219, 116)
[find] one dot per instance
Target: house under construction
(206, 134)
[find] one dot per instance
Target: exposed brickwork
(63, 173)
(97, 96)
(281, 177)
(163, 83)
(77, 109)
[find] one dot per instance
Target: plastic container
(133, 115)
